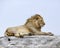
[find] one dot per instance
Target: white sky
(15, 13)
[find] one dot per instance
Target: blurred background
(15, 13)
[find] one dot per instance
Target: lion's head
(36, 20)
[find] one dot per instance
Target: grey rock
(30, 42)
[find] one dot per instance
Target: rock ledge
(30, 42)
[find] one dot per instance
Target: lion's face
(38, 21)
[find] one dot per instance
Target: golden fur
(31, 27)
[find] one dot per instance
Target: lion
(32, 26)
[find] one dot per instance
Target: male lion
(31, 27)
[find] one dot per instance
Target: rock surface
(30, 42)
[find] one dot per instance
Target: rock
(30, 42)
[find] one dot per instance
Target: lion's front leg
(49, 33)
(43, 33)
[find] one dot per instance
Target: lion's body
(17, 31)
(32, 26)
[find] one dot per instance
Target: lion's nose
(44, 23)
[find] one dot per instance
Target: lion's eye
(36, 18)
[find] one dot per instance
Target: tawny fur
(31, 27)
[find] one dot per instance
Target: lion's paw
(50, 34)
